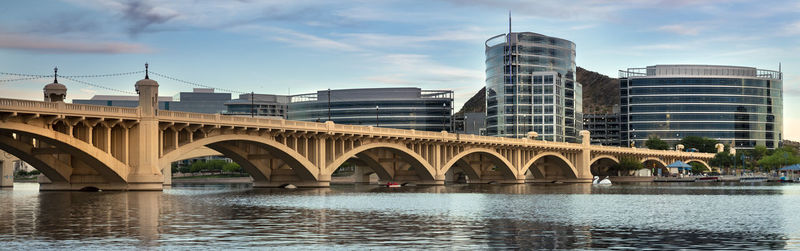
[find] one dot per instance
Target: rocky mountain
(477, 103)
(600, 94)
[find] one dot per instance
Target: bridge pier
(64, 186)
(414, 181)
(6, 173)
(362, 174)
(298, 183)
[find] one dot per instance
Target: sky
(301, 46)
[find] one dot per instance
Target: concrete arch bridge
(116, 148)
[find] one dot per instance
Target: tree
(655, 143)
(702, 144)
(626, 165)
(185, 169)
(232, 168)
(778, 159)
(722, 160)
(697, 167)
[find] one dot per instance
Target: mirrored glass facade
(741, 106)
(530, 86)
(401, 108)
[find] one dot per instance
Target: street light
(377, 121)
(444, 127)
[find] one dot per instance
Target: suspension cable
(24, 75)
(98, 86)
(195, 84)
(20, 79)
(105, 75)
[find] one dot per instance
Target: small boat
(752, 179)
(392, 184)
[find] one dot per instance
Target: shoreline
(230, 180)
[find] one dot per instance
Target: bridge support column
(6, 173)
(146, 174)
(298, 183)
(362, 174)
(583, 164)
(166, 170)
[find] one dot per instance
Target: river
(561, 216)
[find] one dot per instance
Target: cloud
(469, 34)
(142, 15)
(400, 68)
(67, 22)
(663, 46)
(682, 29)
(792, 28)
(295, 38)
(583, 27)
(48, 44)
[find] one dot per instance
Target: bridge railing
(243, 121)
(58, 108)
(645, 151)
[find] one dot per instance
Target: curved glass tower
(741, 106)
(401, 108)
(530, 86)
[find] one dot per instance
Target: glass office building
(258, 105)
(200, 100)
(530, 86)
(402, 108)
(741, 106)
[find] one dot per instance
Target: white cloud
(47, 44)
(664, 46)
(295, 38)
(682, 29)
(792, 28)
(582, 27)
(382, 40)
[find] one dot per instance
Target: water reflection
(570, 216)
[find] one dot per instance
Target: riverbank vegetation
(209, 169)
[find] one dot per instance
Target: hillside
(600, 94)
(477, 103)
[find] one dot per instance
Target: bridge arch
(501, 162)
(610, 157)
(657, 160)
(106, 165)
(424, 169)
(50, 167)
(568, 168)
(705, 164)
(600, 165)
(299, 164)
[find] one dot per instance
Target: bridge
(115, 148)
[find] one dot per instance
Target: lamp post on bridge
(377, 120)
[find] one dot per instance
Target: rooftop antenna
(509, 22)
(146, 71)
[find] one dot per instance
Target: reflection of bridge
(77, 146)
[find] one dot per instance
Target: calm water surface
(570, 216)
